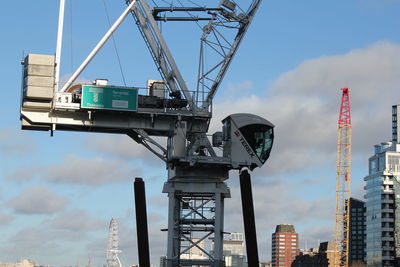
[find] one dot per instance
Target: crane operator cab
(247, 140)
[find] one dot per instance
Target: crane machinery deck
(196, 172)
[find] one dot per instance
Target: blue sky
(58, 194)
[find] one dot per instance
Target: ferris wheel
(112, 246)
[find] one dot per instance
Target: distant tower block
(112, 247)
(285, 245)
(395, 128)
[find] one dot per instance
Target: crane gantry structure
(343, 168)
(169, 109)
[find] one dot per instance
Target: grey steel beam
(160, 51)
(227, 59)
(191, 191)
(141, 223)
(248, 219)
(158, 124)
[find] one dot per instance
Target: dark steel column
(141, 223)
(248, 219)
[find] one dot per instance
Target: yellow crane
(343, 167)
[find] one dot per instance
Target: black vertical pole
(141, 223)
(248, 219)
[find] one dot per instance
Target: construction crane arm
(212, 38)
(221, 37)
(141, 137)
(160, 52)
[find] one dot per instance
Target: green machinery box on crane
(109, 98)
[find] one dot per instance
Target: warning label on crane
(109, 98)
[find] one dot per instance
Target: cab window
(260, 138)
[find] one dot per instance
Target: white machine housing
(247, 140)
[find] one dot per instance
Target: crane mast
(343, 182)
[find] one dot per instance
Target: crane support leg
(196, 214)
(248, 219)
(141, 223)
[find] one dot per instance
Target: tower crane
(343, 167)
(196, 185)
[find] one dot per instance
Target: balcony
(387, 219)
(387, 238)
(388, 258)
(387, 201)
(387, 210)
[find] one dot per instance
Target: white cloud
(76, 220)
(57, 240)
(304, 105)
(5, 218)
(38, 200)
(94, 171)
(22, 174)
(159, 201)
(43, 245)
(155, 218)
(16, 142)
(243, 86)
(275, 203)
(74, 169)
(279, 201)
(123, 147)
(128, 243)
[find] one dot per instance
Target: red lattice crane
(343, 168)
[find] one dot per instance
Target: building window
(381, 164)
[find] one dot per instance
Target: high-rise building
(234, 251)
(357, 231)
(163, 261)
(285, 245)
(382, 196)
(395, 119)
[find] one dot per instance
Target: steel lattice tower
(343, 181)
